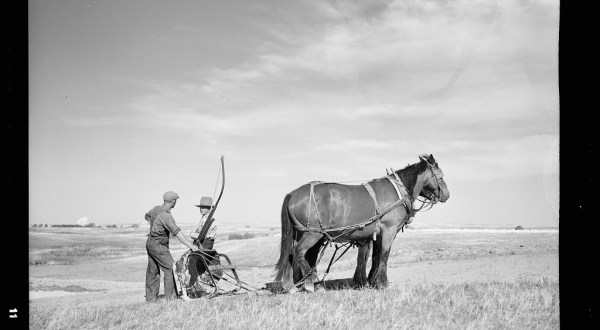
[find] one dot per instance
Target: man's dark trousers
(159, 258)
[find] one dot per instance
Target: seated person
(207, 243)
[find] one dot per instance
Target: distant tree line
(91, 224)
(234, 236)
(135, 225)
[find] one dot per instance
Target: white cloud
(463, 76)
(82, 221)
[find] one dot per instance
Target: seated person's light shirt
(210, 234)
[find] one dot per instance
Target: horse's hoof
(360, 283)
(319, 288)
(293, 290)
(309, 287)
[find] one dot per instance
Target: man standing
(205, 236)
(157, 245)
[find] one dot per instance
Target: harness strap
(313, 199)
(372, 193)
(395, 185)
(406, 200)
(400, 190)
(349, 228)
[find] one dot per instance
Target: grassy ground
(524, 304)
(429, 288)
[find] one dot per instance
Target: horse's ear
(431, 160)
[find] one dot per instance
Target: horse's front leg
(381, 253)
(306, 242)
(360, 274)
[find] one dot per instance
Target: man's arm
(175, 230)
(186, 241)
(148, 216)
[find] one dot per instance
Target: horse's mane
(415, 168)
(410, 172)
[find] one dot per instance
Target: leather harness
(403, 198)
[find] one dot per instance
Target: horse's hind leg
(360, 274)
(297, 272)
(306, 243)
(296, 275)
(311, 257)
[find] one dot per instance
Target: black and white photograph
(277, 164)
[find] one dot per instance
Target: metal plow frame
(212, 273)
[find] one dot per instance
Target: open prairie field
(448, 278)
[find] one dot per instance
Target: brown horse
(369, 215)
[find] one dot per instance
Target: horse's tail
(283, 266)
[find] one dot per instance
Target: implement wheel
(193, 273)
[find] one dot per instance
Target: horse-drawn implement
(321, 214)
(199, 274)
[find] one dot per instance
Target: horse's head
(434, 186)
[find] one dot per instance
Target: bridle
(436, 194)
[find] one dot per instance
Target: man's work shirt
(151, 215)
(212, 231)
(164, 224)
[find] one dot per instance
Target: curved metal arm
(202, 234)
(214, 208)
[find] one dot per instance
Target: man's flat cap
(170, 196)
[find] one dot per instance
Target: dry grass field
(440, 278)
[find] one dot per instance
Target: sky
(130, 99)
